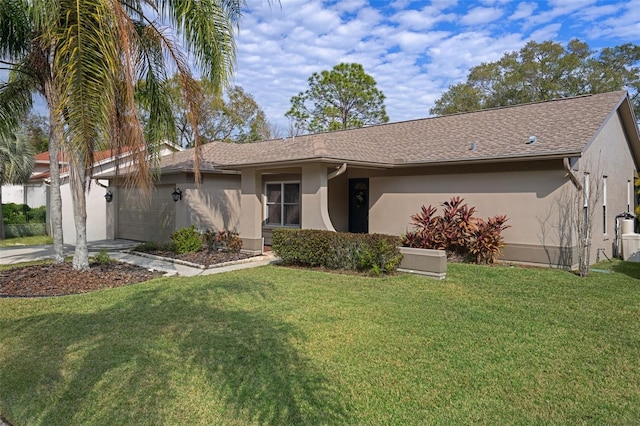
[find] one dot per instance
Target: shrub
(37, 215)
(222, 240)
(102, 258)
(15, 230)
(488, 242)
(13, 213)
(186, 240)
(209, 239)
(457, 232)
(375, 253)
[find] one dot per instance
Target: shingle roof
(561, 127)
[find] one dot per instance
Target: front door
(359, 205)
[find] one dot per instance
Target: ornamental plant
(457, 232)
(186, 240)
(222, 240)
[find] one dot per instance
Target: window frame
(604, 204)
(282, 204)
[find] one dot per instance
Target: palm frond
(15, 101)
(16, 159)
(86, 58)
(15, 29)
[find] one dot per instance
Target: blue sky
(414, 49)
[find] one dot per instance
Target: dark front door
(359, 205)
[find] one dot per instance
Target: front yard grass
(488, 345)
(26, 241)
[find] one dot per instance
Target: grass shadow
(631, 269)
(160, 354)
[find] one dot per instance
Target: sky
(413, 49)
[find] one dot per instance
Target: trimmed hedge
(13, 213)
(24, 230)
(375, 253)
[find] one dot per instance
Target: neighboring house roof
(563, 127)
(103, 161)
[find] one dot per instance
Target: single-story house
(36, 192)
(531, 162)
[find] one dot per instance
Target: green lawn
(489, 345)
(26, 241)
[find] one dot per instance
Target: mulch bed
(203, 257)
(60, 280)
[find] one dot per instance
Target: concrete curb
(197, 265)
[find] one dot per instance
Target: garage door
(154, 221)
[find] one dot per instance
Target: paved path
(118, 249)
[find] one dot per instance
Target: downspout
(338, 172)
(572, 176)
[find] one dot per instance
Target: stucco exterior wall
(214, 205)
(608, 155)
(528, 198)
(96, 214)
(33, 194)
(339, 202)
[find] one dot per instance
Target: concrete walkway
(119, 249)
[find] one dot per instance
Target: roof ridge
(500, 107)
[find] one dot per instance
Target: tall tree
(86, 57)
(16, 164)
(344, 98)
(545, 71)
(36, 128)
(28, 57)
(232, 116)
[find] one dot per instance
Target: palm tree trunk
(1, 218)
(55, 198)
(77, 180)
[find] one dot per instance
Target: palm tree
(16, 164)
(95, 61)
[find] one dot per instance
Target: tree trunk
(55, 198)
(1, 218)
(77, 180)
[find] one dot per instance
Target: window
(282, 204)
(585, 208)
(604, 204)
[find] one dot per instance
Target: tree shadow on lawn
(133, 361)
(631, 269)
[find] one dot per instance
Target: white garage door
(153, 221)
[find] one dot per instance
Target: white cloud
(626, 24)
(596, 13)
(548, 32)
(481, 15)
(423, 19)
(523, 11)
(415, 50)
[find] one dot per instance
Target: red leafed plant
(457, 232)
(488, 242)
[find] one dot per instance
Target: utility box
(626, 226)
(631, 247)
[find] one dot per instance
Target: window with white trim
(585, 207)
(282, 207)
(604, 204)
